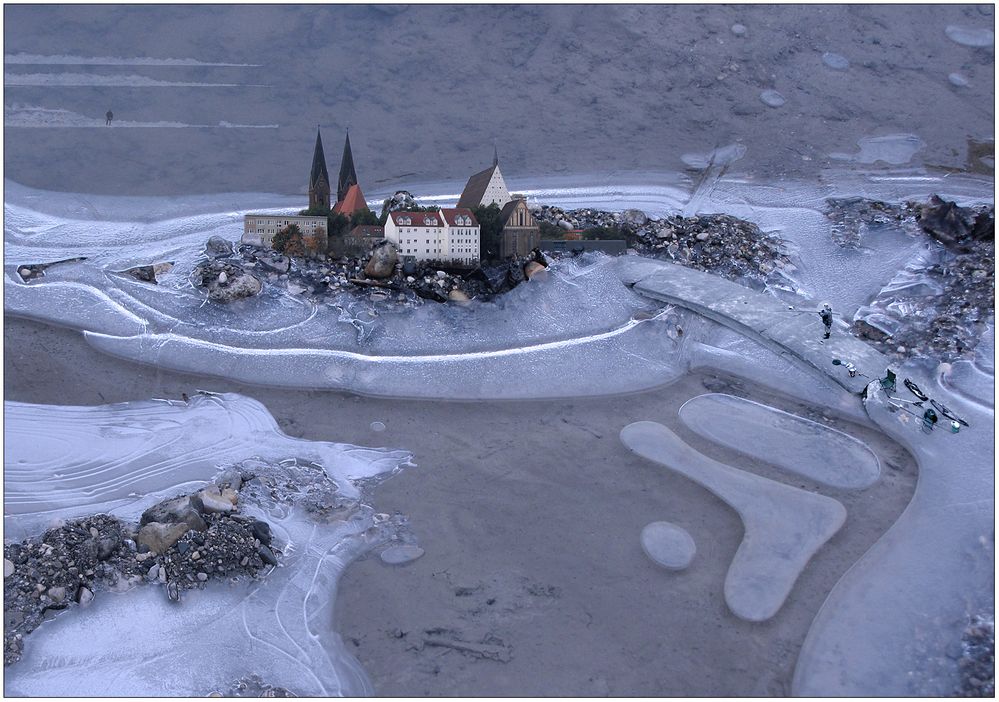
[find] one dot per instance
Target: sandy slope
(428, 89)
(530, 514)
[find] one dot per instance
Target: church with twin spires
(349, 198)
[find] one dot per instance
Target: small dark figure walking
(827, 314)
(110, 116)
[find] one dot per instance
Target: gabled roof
(511, 207)
(416, 219)
(352, 201)
(451, 213)
(318, 163)
(507, 210)
(475, 188)
(347, 175)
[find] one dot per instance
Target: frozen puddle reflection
(669, 545)
(784, 526)
(791, 443)
(81, 460)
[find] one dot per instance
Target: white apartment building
(462, 241)
(259, 229)
(446, 235)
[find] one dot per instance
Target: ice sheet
(69, 461)
(792, 443)
(784, 525)
(62, 462)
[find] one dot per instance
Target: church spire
(347, 175)
(319, 179)
(495, 155)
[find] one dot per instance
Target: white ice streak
(71, 60)
(15, 80)
(29, 116)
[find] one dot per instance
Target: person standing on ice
(827, 314)
(110, 116)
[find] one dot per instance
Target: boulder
(210, 500)
(458, 296)
(84, 596)
(238, 287)
(217, 246)
(383, 259)
(261, 531)
(276, 263)
(533, 268)
(159, 537)
(634, 218)
(566, 225)
(946, 222)
(179, 510)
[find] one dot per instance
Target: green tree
(289, 241)
(490, 227)
(316, 212)
(364, 216)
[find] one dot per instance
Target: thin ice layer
(72, 461)
(792, 443)
(69, 461)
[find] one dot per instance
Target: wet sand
(530, 514)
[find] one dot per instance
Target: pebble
(202, 576)
(8, 568)
(195, 556)
(958, 80)
(970, 37)
(57, 594)
(267, 556)
(85, 596)
(772, 98)
(154, 572)
(398, 555)
(738, 29)
(835, 61)
(377, 426)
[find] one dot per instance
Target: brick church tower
(319, 179)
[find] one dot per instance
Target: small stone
(196, 555)
(85, 596)
(57, 594)
(703, 236)
(738, 29)
(154, 572)
(8, 568)
(202, 576)
(94, 532)
(267, 556)
(244, 561)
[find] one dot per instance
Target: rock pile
(938, 310)
(225, 281)
(381, 276)
(977, 664)
(727, 246)
(180, 543)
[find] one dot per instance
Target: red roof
(450, 214)
(367, 230)
(352, 201)
(417, 219)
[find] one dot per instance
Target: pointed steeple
(319, 179)
(495, 156)
(347, 175)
